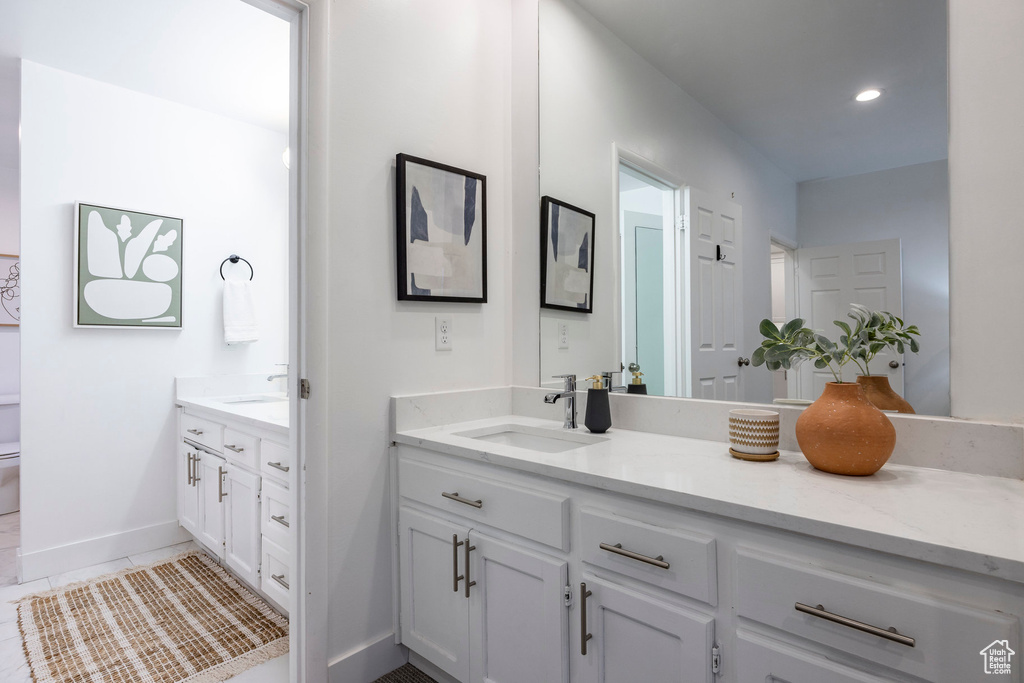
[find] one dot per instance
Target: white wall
(98, 425)
(439, 88)
(986, 57)
(10, 239)
(596, 91)
(910, 203)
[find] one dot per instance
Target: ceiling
(783, 74)
(223, 56)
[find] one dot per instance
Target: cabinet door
(435, 611)
(211, 507)
(188, 491)
(242, 522)
(518, 620)
(639, 638)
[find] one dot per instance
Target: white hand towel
(239, 313)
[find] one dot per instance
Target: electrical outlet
(443, 333)
(563, 335)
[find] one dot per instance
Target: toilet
(10, 454)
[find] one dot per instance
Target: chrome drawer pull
(658, 561)
(279, 466)
(584, 636)
(233, 447)
(221, 493)
(456, 576)
(197, 432)
(468, 548)
(465, 501)
(280, 579)
(889, 634)
(280, 520)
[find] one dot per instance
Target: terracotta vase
(878, 391)
(843, 433)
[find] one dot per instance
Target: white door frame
(308, 611)
(792, 274)
(674, 223)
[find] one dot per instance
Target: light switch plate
(563, 335)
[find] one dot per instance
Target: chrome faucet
(280, 375)
(606, 376)
(569, 394)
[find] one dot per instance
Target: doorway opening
(649, 280)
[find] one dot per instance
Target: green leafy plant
(871, 333)
(877, 331)
(784, 348)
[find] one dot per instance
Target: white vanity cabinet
(242, 523)
(477, 604)
(210, 483)
(637, 637)
(221, 500)
(577, 583)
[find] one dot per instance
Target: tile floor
(14, 668)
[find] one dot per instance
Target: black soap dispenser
(599, 415)
(636, 386)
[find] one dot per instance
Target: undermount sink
(532, 438)
(254, 399)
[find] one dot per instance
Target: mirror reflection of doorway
(648, 249)
(643, 249)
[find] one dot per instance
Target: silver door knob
(894, 364)
(743, 361)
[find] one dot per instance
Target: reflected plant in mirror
(879, 330)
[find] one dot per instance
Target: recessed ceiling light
(868, 95)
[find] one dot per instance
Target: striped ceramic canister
(754, 431)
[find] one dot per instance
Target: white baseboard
(66, 558)
(368, 662)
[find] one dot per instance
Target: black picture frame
(552, 291)
(468, 281)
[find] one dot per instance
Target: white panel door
(829, 280)
(639, 638)
(435, 611)
(715, 228)
(242, 522)
(188, 491)
(518, 620)
(211, 506)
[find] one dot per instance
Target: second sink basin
(532, 438)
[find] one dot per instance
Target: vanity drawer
(276, 514)
(275, 574)
(538, 516)
(203, 432)
(947, 636)
(644, 550)
(275, 460)
(242, 448)
(762, 659)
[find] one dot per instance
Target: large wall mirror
(735, 176)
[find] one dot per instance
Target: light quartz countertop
(271, 416)
(967, 521)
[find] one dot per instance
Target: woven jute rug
(181, 619)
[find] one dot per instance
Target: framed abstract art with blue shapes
(566, 257)
(442, 232)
